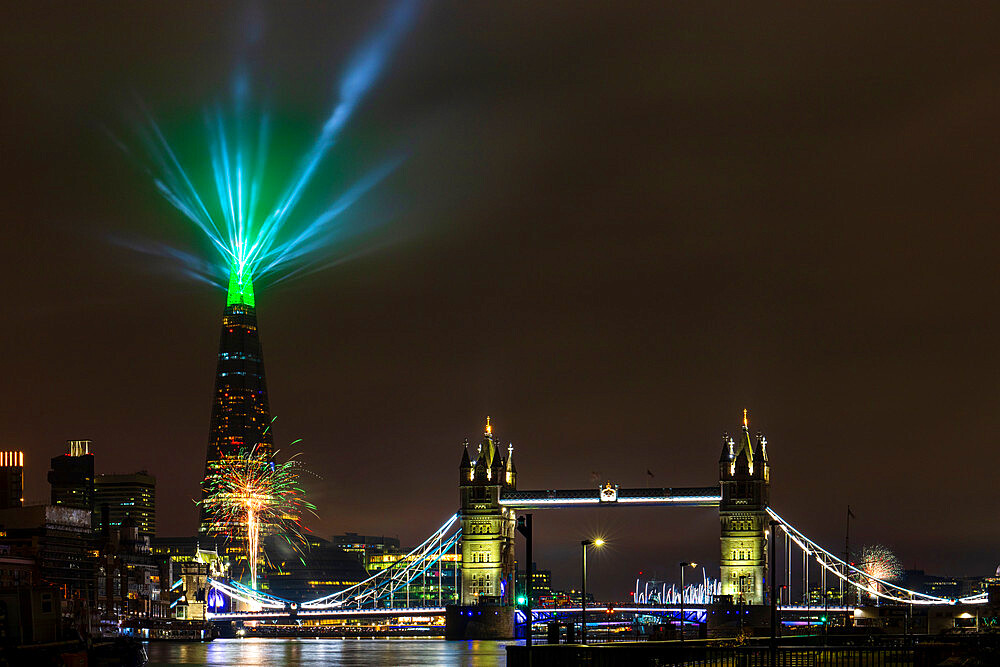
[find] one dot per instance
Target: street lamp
(524, 527)
(684, 565)
(596, 542)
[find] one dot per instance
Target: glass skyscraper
(241, 415)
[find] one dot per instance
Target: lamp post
(597, 542)
(524, 527)
(684, 565)
(773, 540)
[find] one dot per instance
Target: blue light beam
(254, 233)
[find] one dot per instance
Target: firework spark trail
(250, 491)
(256, 234)
(879, 563)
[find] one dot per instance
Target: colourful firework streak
(249, 492)
(248, 209)
(879, 564)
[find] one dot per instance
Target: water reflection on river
(347, 652)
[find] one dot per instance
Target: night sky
(616, 226)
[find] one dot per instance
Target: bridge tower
(487, 528)
(744, 476)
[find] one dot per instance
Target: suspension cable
(830, 563)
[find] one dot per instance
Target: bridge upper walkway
(704, 496)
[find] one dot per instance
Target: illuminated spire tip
(240, 287)
(745, 423)
(489, 429)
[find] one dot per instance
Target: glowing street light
(682, 566)
(596, 542)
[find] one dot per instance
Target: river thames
(347, 652)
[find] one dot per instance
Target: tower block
(487, 527)
(745, 479)
(241, 416)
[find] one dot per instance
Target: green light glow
(240, 288)
(253, 208)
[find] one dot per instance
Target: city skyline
(610, 246)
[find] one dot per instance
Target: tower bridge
(483, 531)
(489, 499)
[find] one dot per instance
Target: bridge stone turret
(744, 477)
(487, 527)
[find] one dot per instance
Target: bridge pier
(227, 629)
(479, 621)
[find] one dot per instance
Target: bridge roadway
(271, 615)
(541, 613)
(396, 612)
(707, 496)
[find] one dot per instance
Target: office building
(125, 497)
(58, 539)
(72, 477)
(367, 548)
(11, 479)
